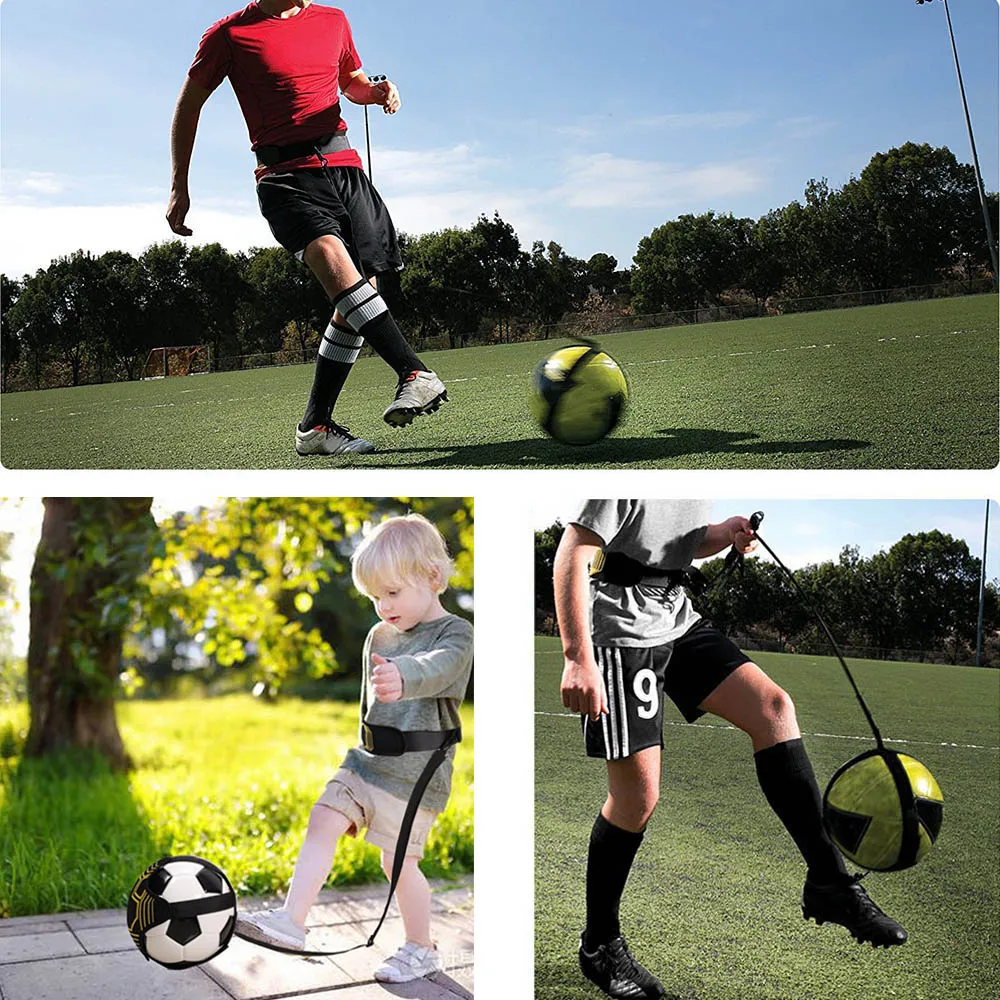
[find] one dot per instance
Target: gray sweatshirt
(435, 661)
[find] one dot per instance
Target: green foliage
(230, 579)
(231, 779)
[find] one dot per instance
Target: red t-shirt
(286, 74)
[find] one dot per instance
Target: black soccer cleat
(848, 904)
(614, 970)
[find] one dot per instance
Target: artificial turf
(911, 385)
(712, 904)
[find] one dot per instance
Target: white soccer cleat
(418, 393)
(409, 963)
(330, 440)
(271, 927)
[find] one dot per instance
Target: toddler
(416, 665)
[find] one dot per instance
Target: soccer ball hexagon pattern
(181, 911)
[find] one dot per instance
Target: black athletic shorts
(635, 680)
(301, 205)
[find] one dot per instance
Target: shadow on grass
(557, 979)
(71, 836)
(668, 444)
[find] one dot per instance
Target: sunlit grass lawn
(230, 779)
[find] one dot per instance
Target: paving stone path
(90, 956)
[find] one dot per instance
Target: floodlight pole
(990, 242)
(982, 590)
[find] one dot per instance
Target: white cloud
(577, 131)
(33, 235)
(803, 127)
(25, 185)
(410, 169)
(608, 181)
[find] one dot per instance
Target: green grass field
(912, 385)
(230, 779)
(712, 904)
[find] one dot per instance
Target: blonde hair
(401, 550)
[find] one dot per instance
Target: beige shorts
(375, 809)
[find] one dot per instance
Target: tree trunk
(89, 558)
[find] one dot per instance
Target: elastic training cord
(754, 522)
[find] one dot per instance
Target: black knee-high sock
(366, 313)
(609, 860)
(789, 785)
(338, 350)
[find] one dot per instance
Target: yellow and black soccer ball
(883, 810)
(578, 394)
(181, 911)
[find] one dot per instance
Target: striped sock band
(340, 343)
(359, 305)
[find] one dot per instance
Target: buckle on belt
(383, 740)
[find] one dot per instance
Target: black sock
(789, 785)
(338, 350)
(366, 313)
(609, 860)
(328, 380)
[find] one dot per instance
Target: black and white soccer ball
(181, 911)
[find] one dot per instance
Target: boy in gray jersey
(630, 636)
(416, 666)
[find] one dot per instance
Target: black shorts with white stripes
(686, 670)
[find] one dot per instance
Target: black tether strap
(754, 523)
(448, 738)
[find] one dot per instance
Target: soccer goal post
(166, 362)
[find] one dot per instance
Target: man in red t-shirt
(287, 61)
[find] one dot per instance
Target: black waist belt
(268, 156)
(624, 571)
(384, 741)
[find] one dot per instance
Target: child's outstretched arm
(424, 675)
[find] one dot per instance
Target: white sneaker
(271, 927)
(409, 963)
(417, 393)
(330, 440)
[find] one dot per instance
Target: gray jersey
(661, 533)
(435, 661)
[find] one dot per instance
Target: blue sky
(587, 123)
(812, 531)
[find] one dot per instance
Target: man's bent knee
(778, 708)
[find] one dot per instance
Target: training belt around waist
(624, 571)
(334, 142)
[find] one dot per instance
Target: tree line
(912, 217)
(917, 601)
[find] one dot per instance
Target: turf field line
(255, 397)
(830, 736)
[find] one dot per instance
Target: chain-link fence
(35, 373)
